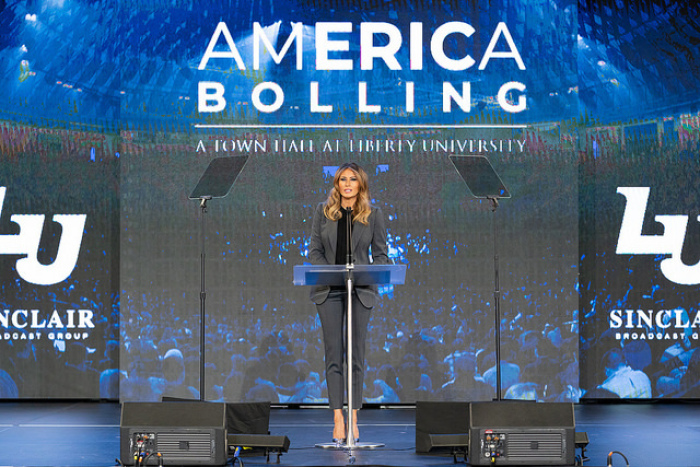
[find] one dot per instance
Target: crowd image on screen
(410, 361)
(423, 343)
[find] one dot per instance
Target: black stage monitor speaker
(521, 433)
(248, 417)
(244, 445)
(442, 427)
(248, 426)
(183, 433)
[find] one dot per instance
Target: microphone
(348, 236)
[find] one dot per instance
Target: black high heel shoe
(338, 441)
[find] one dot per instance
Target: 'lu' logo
(632, 242)
(26, 242)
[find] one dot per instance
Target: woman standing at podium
(328, 246)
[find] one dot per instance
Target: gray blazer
(324, 239)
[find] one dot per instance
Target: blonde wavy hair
(362, 207)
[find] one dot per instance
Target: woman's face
(349, 187)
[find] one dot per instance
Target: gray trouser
(333, 314)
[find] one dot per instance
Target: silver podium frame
(350, 275)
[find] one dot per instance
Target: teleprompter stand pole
(496, 295)
(202, 292)
(216, 182)
(483, 181)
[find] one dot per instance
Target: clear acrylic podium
(363, 274)
(350, 276)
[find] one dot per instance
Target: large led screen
(111, 112)
(59, 262)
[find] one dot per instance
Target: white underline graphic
(363, 127)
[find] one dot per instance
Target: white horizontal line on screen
(363, 127)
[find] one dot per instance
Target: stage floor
(87, 434)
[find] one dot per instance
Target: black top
(341, 250)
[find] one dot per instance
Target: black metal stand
(496, 295)
(202, 293)
(216, 182)
(484, 182)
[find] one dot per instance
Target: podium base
(349, 448)
(345, 446)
